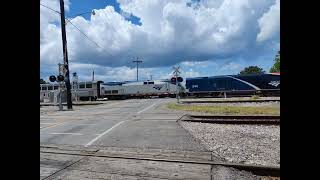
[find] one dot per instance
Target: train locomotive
(233, 85)
(124, 90)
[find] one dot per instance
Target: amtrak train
(214, 86)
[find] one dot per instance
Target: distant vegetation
(258, 70)
(252, 70)
(276, 66)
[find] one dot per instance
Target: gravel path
(248, 144)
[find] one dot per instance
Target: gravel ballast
(247, 144)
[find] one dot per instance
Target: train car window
(56, 87)
(151, 82)
(82, 86)
(145, 82)
(40, 87)
(89, 85)
(114, 91)
(107, 92)
(50, 87)
(44, 88)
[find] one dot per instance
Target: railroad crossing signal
(52, 78)
(60, 78)
(177, 79)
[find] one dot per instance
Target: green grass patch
(255, 97)
(227, 110)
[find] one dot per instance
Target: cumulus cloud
(269, 23)
(171, 32)
(231, 66)
(191, 73)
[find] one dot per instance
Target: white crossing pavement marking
(86, 124)
(108, 130)
(67, 133)
(54, 125)
(148, 107)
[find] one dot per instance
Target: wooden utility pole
(65, 55)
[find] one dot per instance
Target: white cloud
(231, 66)
(269, 23)
(191, 73)
(171, 33)
(201, 64)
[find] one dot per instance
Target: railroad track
(267, 120)
(272, 171)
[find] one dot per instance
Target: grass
(255, 97)
(227, 110)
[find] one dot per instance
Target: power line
(73, 25)
(77, 29)
(84, 34)
(50, 8)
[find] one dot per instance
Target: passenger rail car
(83, 90)
(124, 90)
(242, 85)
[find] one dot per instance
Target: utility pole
(65, 55)
(137, 61)
(92, 75)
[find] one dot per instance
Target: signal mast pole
(176, 74)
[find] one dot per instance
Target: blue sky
(82, 6)
(205, 37)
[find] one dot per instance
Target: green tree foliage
(252, 70)
(42, 81)
(276, 66)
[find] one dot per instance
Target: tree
(42, 81)
(252, 70)
(276, 66)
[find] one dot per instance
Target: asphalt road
(133, 128)
(136, 123)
